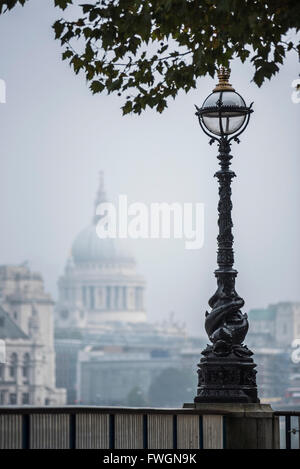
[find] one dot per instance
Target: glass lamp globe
(224, 111)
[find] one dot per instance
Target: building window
(25, 398)
(26, 361)
(1, 322)
(12, 398)
(15, 315)
(2, 397)
(64, 314)
(13, 365)
(1, 371)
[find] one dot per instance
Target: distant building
(287, 323)
(66, 355)
(127, 356)
(104, 345)
(271, 334)
(26, 326)
(273, 368)
(279, 323)
(100, 282)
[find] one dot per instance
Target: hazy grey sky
(55, 137)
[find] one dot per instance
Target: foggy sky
(55, 137)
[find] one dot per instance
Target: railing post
(145, 431)
(111, 431)
(25, 431)
(288, 432)
(175, 431)
(72, 431)
(200, 432)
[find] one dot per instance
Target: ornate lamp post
(226, 371)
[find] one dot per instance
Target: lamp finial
(223, 76)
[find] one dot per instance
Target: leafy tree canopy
(147, 51)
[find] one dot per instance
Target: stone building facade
(271, 335)
(26, 326)
(129, 357)
(278, 324)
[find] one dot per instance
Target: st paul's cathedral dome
(100, 282)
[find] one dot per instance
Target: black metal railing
(289, 427)
(110, 428)
(85, 427)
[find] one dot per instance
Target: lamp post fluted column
(226, 370)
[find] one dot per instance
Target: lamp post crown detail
(226, 371)
(223, 76)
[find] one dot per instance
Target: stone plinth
(245, 426)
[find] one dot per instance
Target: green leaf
(77, 63)
(89, 53)
(58, 28)
(259, 77)
(96, 86)
(127, 108)
(62, 3)
(67, 54)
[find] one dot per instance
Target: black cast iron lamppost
(226, 371)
